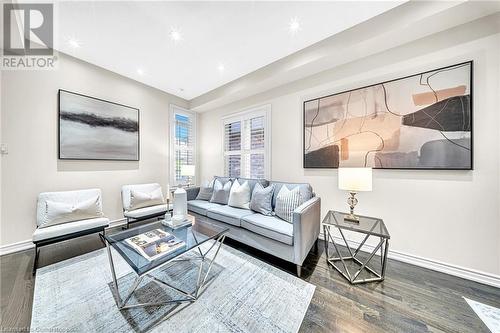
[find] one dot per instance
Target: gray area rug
(488, 314)
(243, 294)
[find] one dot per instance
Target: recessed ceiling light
(74, 43)
(175, 34)
(140, 71)
(294, 25)
(221, 67)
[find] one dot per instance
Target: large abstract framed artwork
(95, 129)
(423, 121)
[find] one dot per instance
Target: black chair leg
(35, 262)
(126, 226)
(101, 236)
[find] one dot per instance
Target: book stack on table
(155, 243)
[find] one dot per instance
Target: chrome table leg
(190, 297)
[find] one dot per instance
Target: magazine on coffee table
(155, 243)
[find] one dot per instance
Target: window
(182, 143)
(247, 144)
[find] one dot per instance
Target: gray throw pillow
(262, 199)
(206, 191)
(221, 192)
(286, 202)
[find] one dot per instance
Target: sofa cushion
(69, 197)
(201, 206)
(61, 212)
(228, 214)
(141, 199)
(262, 199)
(221, 192)
(146, 211)
(240, 194)
(270, 227)
(138, 187)
(305, 190)
(286, 202)
(68, 228)
(206, 191)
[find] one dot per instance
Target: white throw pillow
(239, 196)
(62, 212)
(286, 202)
(139, 199)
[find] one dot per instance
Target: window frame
(249, 113)
(175, 109)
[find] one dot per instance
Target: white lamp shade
(355, 179)
(187, 170)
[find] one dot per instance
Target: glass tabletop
(367, 225)
(191, 237)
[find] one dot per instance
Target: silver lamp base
(351, 218)
(352, 201)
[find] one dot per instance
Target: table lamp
(354, 180)
(189, 172)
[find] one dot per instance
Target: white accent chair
(46, 235)
(145, 213)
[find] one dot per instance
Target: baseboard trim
(462, 272)
(16, 247)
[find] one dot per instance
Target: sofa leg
(299, 270)
(35, 261)
(316, 246)
(126, 226)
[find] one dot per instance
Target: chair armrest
(192, 192)
(306, 226)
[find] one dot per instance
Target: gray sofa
(288, 241)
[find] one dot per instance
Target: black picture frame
(100, 100)
(471, 85)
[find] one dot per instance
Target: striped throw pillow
(286, 202)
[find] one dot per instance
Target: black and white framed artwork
(95, 129)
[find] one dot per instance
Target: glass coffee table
(192, 236)
(368, 226)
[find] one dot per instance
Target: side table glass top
(193, 236)
(367, 225)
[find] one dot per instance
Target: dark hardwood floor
(411, 299)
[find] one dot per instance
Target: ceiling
(134, 39)
(378, 40)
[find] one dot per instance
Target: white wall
(498, 148)
(448, 216)
(29, 127)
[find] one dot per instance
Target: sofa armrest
(192, 192)
(306, 225)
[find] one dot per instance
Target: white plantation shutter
(183, 143)
(232, 149)
(246, 144)
(257, 138)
